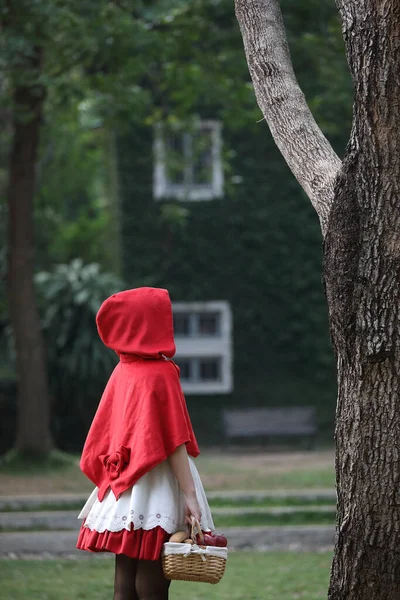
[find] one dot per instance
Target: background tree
(357, 202)
(44, 46)
(28, 96)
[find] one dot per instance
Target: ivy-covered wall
(259, 247)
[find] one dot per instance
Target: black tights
(139, 579)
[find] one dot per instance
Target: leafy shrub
(79, 363)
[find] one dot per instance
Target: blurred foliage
(122, 66)
(79, 363)
(72, 214)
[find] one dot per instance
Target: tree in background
(46, 47)
(357, 202)
(28, 96)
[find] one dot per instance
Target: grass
(303, 479)
(48, 478)
(219, 471)
(25, 465)
(267, 471)
(299, 518)
(270, 502)
(249, 576)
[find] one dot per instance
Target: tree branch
(301, 142)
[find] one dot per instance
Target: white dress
(155, 500)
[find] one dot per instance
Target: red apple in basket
(220, 540)
(209, 539)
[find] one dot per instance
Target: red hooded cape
(142, 416)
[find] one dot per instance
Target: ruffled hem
(154, 501)
(139, 543)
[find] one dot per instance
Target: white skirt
(156, 500)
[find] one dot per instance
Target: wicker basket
(187, 562)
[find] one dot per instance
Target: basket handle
(196, 525)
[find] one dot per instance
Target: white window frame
(163, 188)
(207, 346)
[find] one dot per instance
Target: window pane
(175, 158)
(208, 324)
(202, 157)
(182, 324)
(186, 367)
(210, 369)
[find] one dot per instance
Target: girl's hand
(192, 508)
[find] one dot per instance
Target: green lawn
(264, 520)
(249, 576)
(299, 479)
(268, 502)
(267, 471)
(218, 470)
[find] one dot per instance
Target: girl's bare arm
(180, 465)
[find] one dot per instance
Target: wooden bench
(266, 423)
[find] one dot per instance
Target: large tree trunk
(360, 214)
(362, 274)
(33, 418)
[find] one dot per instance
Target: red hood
(138, 322)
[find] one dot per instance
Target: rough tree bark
(359, 210)
(33, 414)
(362, 273)
(297, 135)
